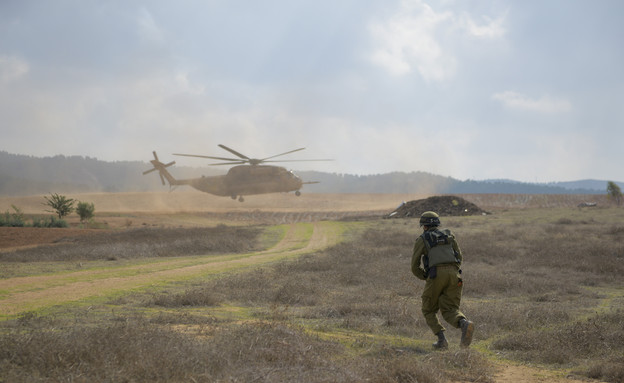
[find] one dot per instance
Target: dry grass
(541, 285)
(596, 337)
(131, 349)
(143, 243)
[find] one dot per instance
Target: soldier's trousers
(443, 293)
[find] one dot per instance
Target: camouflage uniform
(442, 292)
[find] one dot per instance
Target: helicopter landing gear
(241, 199)
(297, 193)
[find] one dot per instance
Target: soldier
(441, 259)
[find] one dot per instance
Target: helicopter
(249, 177)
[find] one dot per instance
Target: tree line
(28, 175)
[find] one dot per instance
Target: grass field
(316, 299)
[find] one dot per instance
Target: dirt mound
(443, 205)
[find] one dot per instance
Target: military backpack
(439, 244)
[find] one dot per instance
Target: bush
(15, 219)
(85, 210)
(614, 192)
(50, 221)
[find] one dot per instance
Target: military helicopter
(250, 177)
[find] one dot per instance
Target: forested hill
(21, 174)
(27, 175)
(426, 183)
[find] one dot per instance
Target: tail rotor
(160, 167)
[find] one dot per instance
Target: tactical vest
(439, 247)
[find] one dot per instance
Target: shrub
(85, 210)
(50, 221)
(614, 192)
(15, 219)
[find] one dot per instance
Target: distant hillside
(21, 174)
(27, 175)
(425, 183)
(586, 184)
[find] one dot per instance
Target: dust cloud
(195, 201)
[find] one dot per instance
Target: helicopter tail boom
(162, 171)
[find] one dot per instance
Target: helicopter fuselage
(248, 180)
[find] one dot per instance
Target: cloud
(544, 104)
(491, 28)
(148, 29)
(12, 68)
(409, 39)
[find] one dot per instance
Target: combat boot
(467, 329)
(441, 344)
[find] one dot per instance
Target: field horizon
(192, 200)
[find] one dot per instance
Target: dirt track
(180, 209)
(23, 294)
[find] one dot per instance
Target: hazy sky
(471, 89)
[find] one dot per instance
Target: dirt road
(23, 294)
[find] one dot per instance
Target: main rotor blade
(299, 160)
(211, 157)
(240, 162)
(234, 152)
(277, 155)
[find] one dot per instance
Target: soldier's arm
(457, 250)
(419, 248)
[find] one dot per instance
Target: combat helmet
(429, 218)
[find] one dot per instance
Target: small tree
(614, 192)
(62, 205)
(85, 210)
